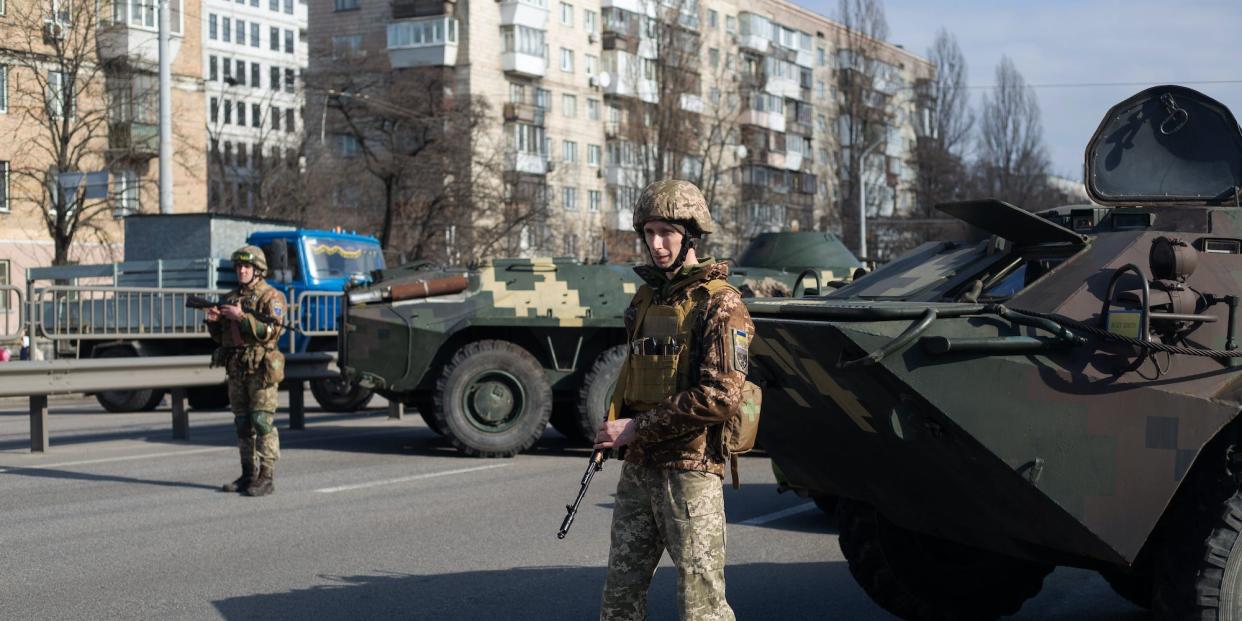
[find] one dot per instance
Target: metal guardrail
(108, 313)
(38, 379)
(12, 312)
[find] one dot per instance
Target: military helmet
(674, 200)
(252, 255)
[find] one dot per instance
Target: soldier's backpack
(737, 435)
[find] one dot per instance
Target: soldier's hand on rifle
(231, 311)
(213, 314)
(614, 433)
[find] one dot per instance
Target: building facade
(78, 94)
(253, 58)
(591, 100)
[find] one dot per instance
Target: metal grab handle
(900, 342)
(818, 286)
(1144, 308)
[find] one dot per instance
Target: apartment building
(585, 94)
(253, 57)
(106, 109)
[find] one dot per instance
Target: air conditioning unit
(592, 37)
(599, 172)
(551, 165)
(53, 31)
(593, 81)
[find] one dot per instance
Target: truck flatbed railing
(63, 312)
(12, 312)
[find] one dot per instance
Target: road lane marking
(416, 477)
(106, 460)
(783, 513)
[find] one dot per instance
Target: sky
(1137, 42)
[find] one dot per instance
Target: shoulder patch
(741, 353)
(277, 311)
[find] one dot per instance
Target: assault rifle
(202, 303)
(596, 464)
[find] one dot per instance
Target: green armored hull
(490, 355)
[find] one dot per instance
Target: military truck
(489, 355)
(1065, 392)
(137, 307)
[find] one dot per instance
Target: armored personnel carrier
(490, 355)
(1063, 393)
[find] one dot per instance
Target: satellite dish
(604, 79)
(742, 151)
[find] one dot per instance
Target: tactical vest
(664, 345)
(240, 355)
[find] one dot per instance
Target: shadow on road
(47, 473)
(757, 591)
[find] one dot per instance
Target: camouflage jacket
(244, 344)
(683, 431)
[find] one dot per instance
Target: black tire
(565, 420)
(826, 503)
(596, 392)
(116, 401)
(335, 394)
(1135, 587)
(427, 409)
(492, 399)
(208, 397)
(1199, 571)
(922, 578)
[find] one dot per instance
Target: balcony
(753, 42)
(783, 87)
(774, 121)
(406, 9)
(524, 113)
(425, 42)
(523, 64)
(529, 163)
(619, 175)
(131, 140)
(118, 41)
(633, 6)
(529, 13)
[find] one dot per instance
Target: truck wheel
(920, 577)
(335, 394)
(492, 399)
(1199, 572)
(596, 391)
(127, 400)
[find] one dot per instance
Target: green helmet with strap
(677, 201)
(251, 255)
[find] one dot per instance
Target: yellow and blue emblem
(741, 357)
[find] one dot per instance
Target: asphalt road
(375, 519)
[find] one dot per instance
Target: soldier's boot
(263, 484)
(241, 483)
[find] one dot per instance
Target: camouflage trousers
(253, 402)
(681, 511)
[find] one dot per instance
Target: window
(517, 92)
(822, 56)
(730, 23)
(124, 193)
(341, 5)
(592, 64)
(713, 57)
(713, 95)
(4, 280)
(289, 7)
(212, 68)
(344, 46)
(212, 32)
(241, 32)
(569, 105)
(820, 89)
(593, 109)
(226, 29)
(275, 72)
(241, 115)
(59, 94)
(273, 5)
(590, 21)
(567, 14)
(4, 186)
(569, 151)
(273, 39)
(255, 119)
(241, 148)
(713, 19)
(288, 80)
(241, 72)
(569, 198)
(254, 34)
(254, 75)
(543, 99)
(228, 113)
(289, 41)
(289, 125)
(593, 153)
(594, 198)
(567, 60)
(254, 3)
(275, 117)
(215, 110)
(522, 40)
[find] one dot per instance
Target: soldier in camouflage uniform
(247, 324)
(689, 337)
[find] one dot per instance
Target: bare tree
(53, 52)
(940, 151)
(1012, 163)
(863, 87)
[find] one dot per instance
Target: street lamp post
(166, 180)
(862, 199)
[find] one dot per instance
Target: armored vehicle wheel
(596, 391)
(1200, 576)
(208, 397)
(565, 419)
(127, 400)
(335, 394)
(426, 408)
(1136, 588)
(492, 399)
(920, 577)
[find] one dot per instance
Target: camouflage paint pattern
(675, 510)
(673, 200)
(253, 401)
(1068, 455)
